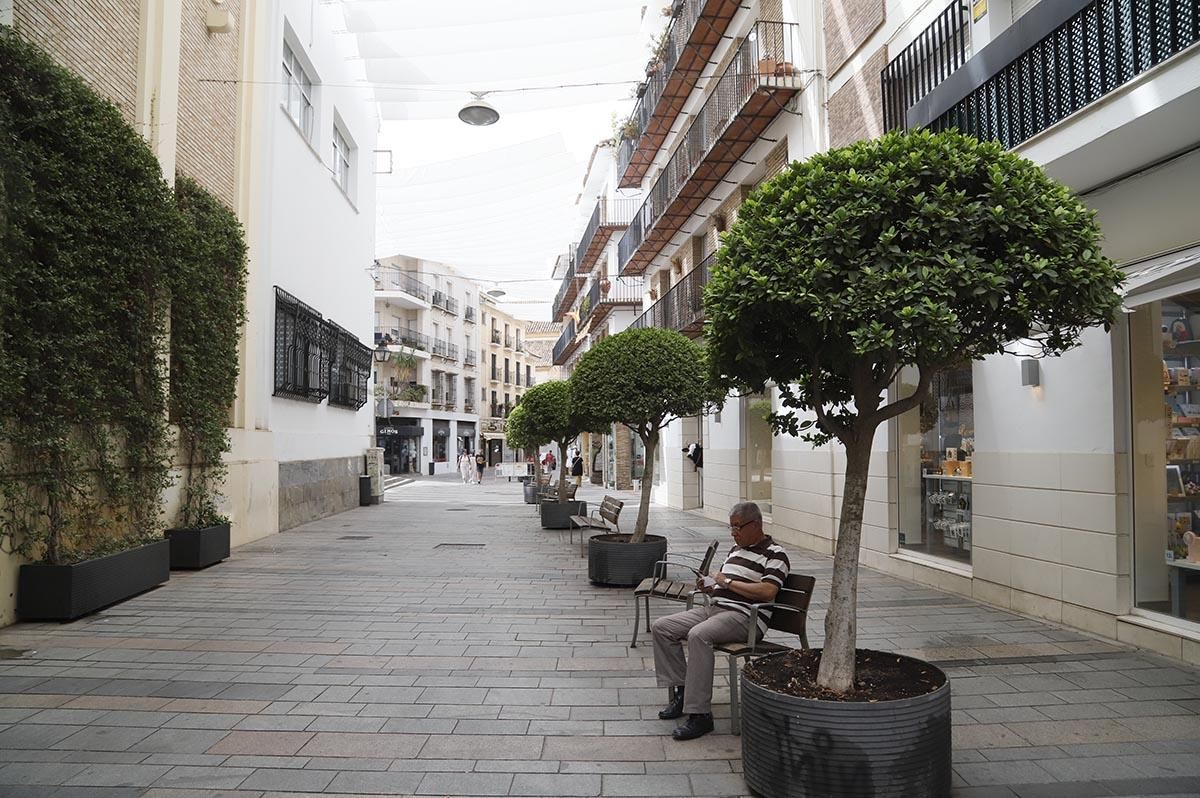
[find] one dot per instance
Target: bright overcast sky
(495, 202)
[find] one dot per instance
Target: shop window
(936, 445)
(441, 441)
(1165, 403)
(757, 479)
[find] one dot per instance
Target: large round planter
(557, 515)
(614, 561)
(806, 748)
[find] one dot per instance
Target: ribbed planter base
(531, 491)
(805, 748)
(198, 548)
(557, 515)
(65, 592)
(614, 561)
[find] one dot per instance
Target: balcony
(605, 296)
(495, 374)
(395, 336)
(470, 359)
(406, 290)
(691, 40)
(571, 283)
(496, 337)
(469, 314)
(566, 343)
(936, 53)
(681, 308)
(443, 301)
(508, 342)
(607, 217)
(469, 406)
(501, 410)
(1053, 62)
(520, 347)
(755, 87)
(445, 349)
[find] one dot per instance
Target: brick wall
(848, 23)
(95, 39)
(208, 111)
(856, 109)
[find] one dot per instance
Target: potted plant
(518, 435)
(547, 414)
(913, 251)
(84, 443)
(208, 311)
(642, 379)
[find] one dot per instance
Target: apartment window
(302, 350)
(298, 92)
(342, 157)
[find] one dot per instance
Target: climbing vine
(208, 309)
(89, 235)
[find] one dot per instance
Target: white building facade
(1069, 499)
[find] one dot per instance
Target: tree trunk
(837, 660)
(650, 444)
(562, 472)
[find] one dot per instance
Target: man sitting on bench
(753, 572)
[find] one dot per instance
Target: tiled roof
(542, 328)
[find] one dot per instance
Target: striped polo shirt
(765, 561)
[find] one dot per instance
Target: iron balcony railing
(507, 378)
(469, 314)
(569, 287)
(470, 359)
(1101, 47)
(397, 280)
(936, 53)
(676, 39)
(605, 294)
(495, 336)
(501, 410)
(565, 343)
(768, 53)
(394, 336)
(452, 305)
(520, 347)
(508, 342)
(608, 215)
(681, 308)
(495, 374)
(445, 349)
(452, 351)
(469, 406)
(517, 377)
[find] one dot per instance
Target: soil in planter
(878, 676)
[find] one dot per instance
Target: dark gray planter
(613, 561)
(531, 492)
(198, 548)
(557, 515)
(804, 748)
(66, 592)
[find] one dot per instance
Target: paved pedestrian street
(443, 644)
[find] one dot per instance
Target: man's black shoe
(695, 726)
(674, 708)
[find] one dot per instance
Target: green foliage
(547, 414)
(913, 249)
(642, 378)
(88, 237)
(516, 430)
(208, 309)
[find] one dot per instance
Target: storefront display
(937, 445)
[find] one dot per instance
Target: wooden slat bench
(660, 587)
(609, 513)
(789, 614)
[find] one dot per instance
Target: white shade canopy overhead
(496, 202)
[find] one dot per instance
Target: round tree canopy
(913, 249)
(546, 414)
(641, 378)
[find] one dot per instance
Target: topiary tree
(914, 250)
(643, 378)
(546, 414)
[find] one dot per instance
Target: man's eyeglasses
(738, 527)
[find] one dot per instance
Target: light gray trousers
(701, 627)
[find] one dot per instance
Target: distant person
(577, 469)
(480, 462)
(465, 470)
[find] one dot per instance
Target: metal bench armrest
(755, 609)
(660, 568)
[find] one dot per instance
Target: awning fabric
(1161, 277)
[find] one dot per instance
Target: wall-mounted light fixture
(1031, 374)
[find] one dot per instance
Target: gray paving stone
(558, 784)
(620, 785)
(375, 783)
(117, 776)
(465, 784)
(200, 777)
(288, 779)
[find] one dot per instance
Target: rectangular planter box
(198, 548)
(557, 515)
(66, 592)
